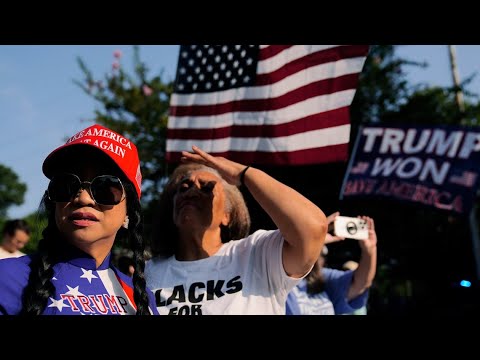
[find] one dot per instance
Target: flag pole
(474, 228)
(456, 78)
(475, 238)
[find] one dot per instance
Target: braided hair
(137, 245)
(40, 287)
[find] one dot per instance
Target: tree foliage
(38, 222)
(382, 85)
(137, 106)
(12, 190)
(385, 96)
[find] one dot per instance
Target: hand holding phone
(350, 227)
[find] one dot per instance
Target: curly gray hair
(165, 232)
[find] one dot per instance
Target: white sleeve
(268, 264)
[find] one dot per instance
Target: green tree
(137, 106)
(385, 96)
(38, 222)
(427, 106)
(12, 191)
(382, 86)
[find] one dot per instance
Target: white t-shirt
(244, 277)
(4, 254)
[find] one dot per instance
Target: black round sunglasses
(104, 189)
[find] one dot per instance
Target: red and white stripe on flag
(293, 109)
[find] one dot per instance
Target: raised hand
(229, 170)
(332, 238)
(371, 242)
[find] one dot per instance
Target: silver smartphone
(350, 227)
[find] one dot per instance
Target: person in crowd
(326, 291)
(352, 266)
(205, 261)
(92, 201)
(15, 234)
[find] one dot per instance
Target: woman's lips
(83, 218)
(83, 222)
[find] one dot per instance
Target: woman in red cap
(93, 200)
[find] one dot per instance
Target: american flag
(265, 104)
(467, 179)
(360, 168)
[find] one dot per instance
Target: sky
(41, 106)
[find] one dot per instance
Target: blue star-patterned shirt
(80, 287)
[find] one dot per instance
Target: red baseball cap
(121, 150)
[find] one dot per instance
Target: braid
(40, 287)
(135, 230)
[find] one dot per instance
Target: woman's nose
(83, 196)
